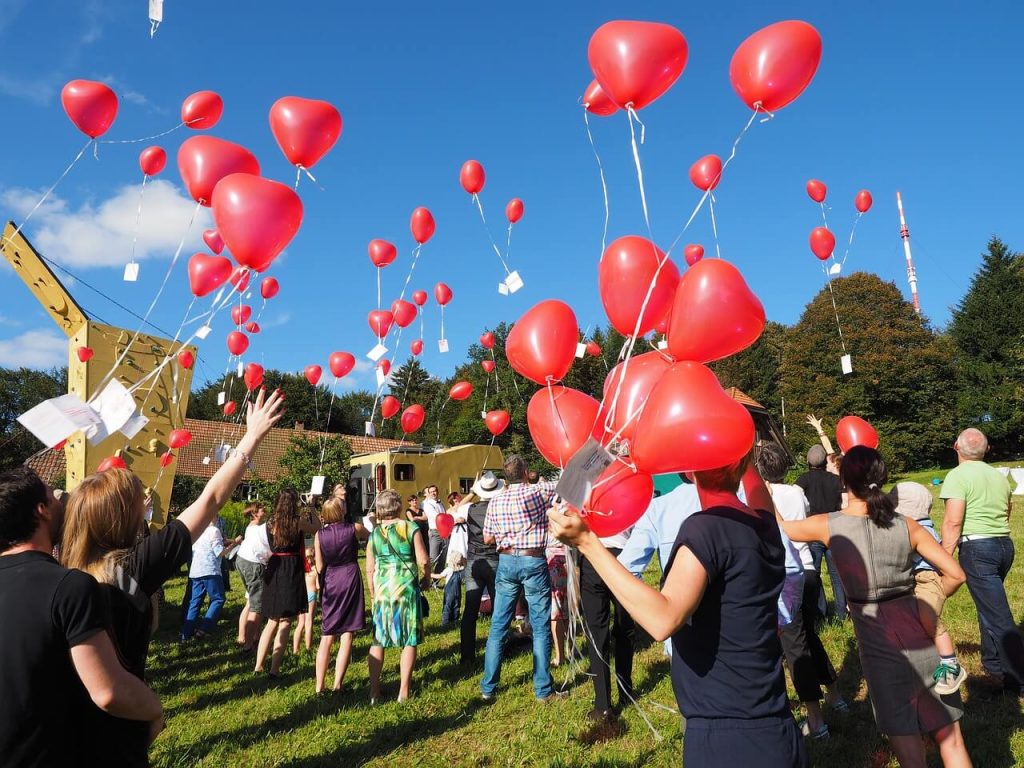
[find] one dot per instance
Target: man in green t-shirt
(977, 519)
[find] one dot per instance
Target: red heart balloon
(714, 313)
(690, 424)
(460, 390)
(497, 421)
(213, 241)
(542, 344)
(240, 314)
(91, 106)
(238, 342)
(863, 201)
(419, 298)
(341, 363)
(488, 365)
(313, 374)
(816, 190)
(186, 359)
(624, 276)
(229, 407)
(774, 65)
(382, 253)
(445, 524)
(207, 273)
(380, 322)
(389, 406)
(822, 243)
(442, 294)
(593, 348)
(256, 217)
(202, 110)
(472, 177)
(487, 340)
(642, 373)
(179, 438)
(253, 376)
(706, 172)
(240, 278)
(269, 287)
(852, 431)
(619, 498)
(384, 366)
(152, 160)
(596, 101)
(636, 61)
(514, 210)
(111, 462)
(253, 327)
(422, 225)
(84, 354)
(204, 160)
(412, 418)
(693, 253)
(416, 347)
(305, 129)
(561, 421)
(404, 312)
(166, 459)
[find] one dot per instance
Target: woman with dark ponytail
(874, 551)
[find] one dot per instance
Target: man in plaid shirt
(517, 525)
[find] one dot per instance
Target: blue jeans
(201, 587)
(986, 563)
(819, 550)
(452, 599)
(530, 573)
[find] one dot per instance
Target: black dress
(284, 593)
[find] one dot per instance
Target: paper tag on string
(584, 467)
(503, 289)
(581, 350)
(369, 429)
(156, 11)
(382, 378)
(203, 332)
(377, 352)
(835, 269)
(222, 397)
(220, 453)
(663, 344)
(241, 369)
(58, 418)
(248, 295)
(131, 272)
(847, 362)
(134, 425)
(115, 406)
(483, 414)
(206, 460)
(317, 486)
(514, 282)
(442, 345)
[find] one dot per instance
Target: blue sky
(918, 97)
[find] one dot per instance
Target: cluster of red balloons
(822, 241)
(472, 178)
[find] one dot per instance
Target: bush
(235, 521)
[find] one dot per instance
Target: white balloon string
(142, 407)
(508, 243)
(148, 138)
(310, 176)
(487, 389)
(835, 309)
(298, 176)
(330, 410)
(824, 218)
(138, 218)
(556, 414)
(849, 244)
(419, 311)
(714, 225)
(631, 114)
(497, 384)
(480, 207)
(442, 321)
(378, 287)
(604, 184)
(384, 382)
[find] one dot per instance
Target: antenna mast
(911, 272)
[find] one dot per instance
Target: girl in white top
(250, 561)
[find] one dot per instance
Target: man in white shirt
(432, 507)
(205, 578)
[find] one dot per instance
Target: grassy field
(220, 714)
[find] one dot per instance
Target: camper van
(410, 469)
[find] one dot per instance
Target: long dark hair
(863, 474)
(284, 522)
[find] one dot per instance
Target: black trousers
(808, 661)
(597, 600)
(479, 575)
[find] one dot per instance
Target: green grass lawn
(220, 714)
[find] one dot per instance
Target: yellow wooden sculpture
(163, 400)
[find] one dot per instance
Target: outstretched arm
(816, 425)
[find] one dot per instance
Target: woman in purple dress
(341, 590)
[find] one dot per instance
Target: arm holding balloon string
(263, 414)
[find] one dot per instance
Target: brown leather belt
(535, 552)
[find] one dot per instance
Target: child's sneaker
(948, 678)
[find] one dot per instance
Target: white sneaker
(948, 679)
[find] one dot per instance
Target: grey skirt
(252, 577)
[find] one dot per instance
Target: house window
(247, 492)
(465, 485)
(405, 473)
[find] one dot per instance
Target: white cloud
(354, 379)
(100, 234)
(277, 321)
(4, 320)
(34, 349)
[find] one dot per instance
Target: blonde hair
(102, 523)
(389, 505)
(333, 511)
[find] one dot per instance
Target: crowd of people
(741, 597)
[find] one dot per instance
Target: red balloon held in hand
(240, 314)
(487, 365)
(341, 363)
(442, 294)
(238, 342)
(202, 110)
(207, 273)
(419, 298)
(852, 431)
(460, 390)
(487, 340)
(775, 64)
(84, 354)
(714, 313)
(472, 177)
(305, 129)
(690, 424)
(389, 406)
(863, 201)
(229, 408)
(542, 344)
(253, 327)
(706, 172)
(253, 376)
(514, 210)
(642, 373)
(256, 217)
(816, 190)
(111, 462)
(404, 312)
(412, 418)
(240, 278)
(561, 420)
(636, 61)
(204, 160)
(313, 374)
(620, 498)
(179, 438)
(497, 421)
(186, 359)
(624, 276)
(166, 459)
(91, 106)
(213, 241)
(693, 253)
(152, 160)
(596, 101)
(384, 366)
(416, 347)
(422, 225)
(381, 253)
(269, 287)
(380, 322)
(822, 243)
